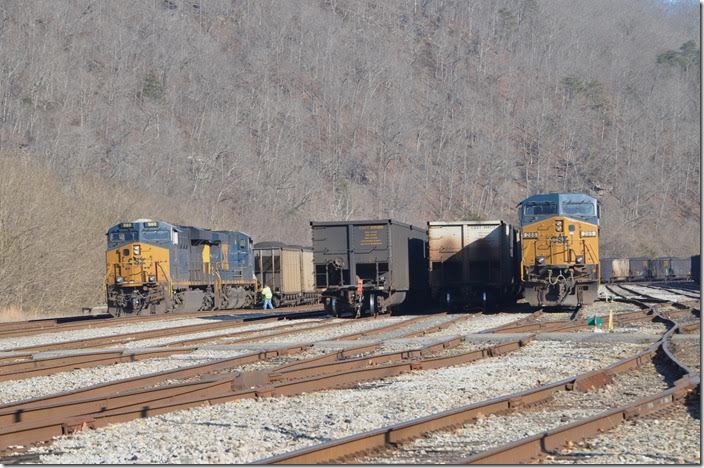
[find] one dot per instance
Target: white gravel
(268, 327)
(674, 438)
(34, 387)
(247, 430)
(479, 323)
(8, 344)
(64, 381)
(495, 430)
(347, 327)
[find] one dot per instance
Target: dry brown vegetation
(263, 115)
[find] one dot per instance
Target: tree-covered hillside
(262, 115)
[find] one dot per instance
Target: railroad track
(41, 418)
(62, 324)
(359, 447)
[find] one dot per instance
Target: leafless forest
(263, 115)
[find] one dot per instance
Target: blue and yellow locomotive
(156, 267)
(560, 249)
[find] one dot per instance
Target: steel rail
(28, 368)
(17, 329)
(18, 413)
(180, 373)
(143, 335)
(538, 445)
(347, 447)
(45, 422)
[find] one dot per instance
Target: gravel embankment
(496, 430)
(248, 430)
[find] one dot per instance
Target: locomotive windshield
(575, 205)
(156, 235)
(121, 237)
(583, 208)
(540, 208)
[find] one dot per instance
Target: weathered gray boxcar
(287, 270)
(369, 266)
(473, 262)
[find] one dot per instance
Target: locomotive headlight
(580, 258)
(530, 235)
(540, 260)
(137, 249)
(152, 279)
(558, 225)
(118, 280)
(588, 233)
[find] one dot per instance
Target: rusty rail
(32, 424)
(30, 328)
(521, 451)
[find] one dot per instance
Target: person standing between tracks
(267, 295)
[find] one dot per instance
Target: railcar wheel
(372, 305)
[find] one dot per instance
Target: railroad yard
(296, 385)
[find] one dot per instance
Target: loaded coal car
(287, 270)
(369, 267)
(638, 269)
(157, 267)
(614, 269)
(473, 262)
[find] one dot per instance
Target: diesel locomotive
(560, 249)
(157, 267)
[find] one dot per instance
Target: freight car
(473, 262)
(639, 269)
(680, 268)
(560, 248)
(157, 267)
(696, 268)
(287, 270)
(659, 269)
(614, 269)
(369, 266)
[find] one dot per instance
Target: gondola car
(157, 267)
(680, 268)
(559, 249)
(639, 269)
(614, 269)
(473, 262)
(369, 267)
(287, 270)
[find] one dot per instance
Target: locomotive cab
(138, 269)
(560, 249)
